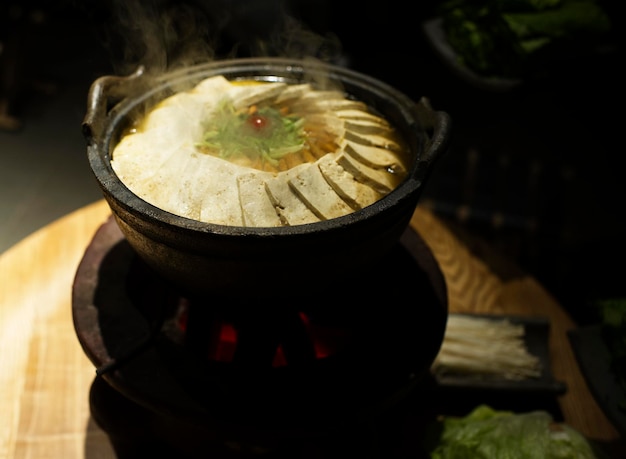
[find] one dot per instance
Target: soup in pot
(264, 154)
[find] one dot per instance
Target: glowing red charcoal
(326, 340)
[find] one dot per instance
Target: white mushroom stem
(482, 346)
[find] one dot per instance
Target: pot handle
(104, 93)
(438, 125)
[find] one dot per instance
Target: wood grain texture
(45, 376)
(478, 281)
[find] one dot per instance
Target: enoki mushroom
(485, 346)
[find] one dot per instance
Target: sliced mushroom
(316, 101)
(313, 189)
(360, 114)
(194, 182)
(368, 127)
(382, 181)
(356, 194)
(245, 95)
(293, 92)
(256, 206)
(375, 157)
(342, 104)
(221, 202)
(374, 140)
(290, 208)
(326, 122)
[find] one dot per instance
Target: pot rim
(407, 116)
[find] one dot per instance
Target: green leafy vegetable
(486, 433)
(263, 134)
(506, 37)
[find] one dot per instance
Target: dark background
(537, 170)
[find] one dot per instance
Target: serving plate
(594, 359)
(468, 390)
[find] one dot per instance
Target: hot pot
(293, 289)
(255, 262)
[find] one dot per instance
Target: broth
(265, 154)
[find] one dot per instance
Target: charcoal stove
(215, 376)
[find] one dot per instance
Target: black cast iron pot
(250, 262)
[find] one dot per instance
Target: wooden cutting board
(45, 376)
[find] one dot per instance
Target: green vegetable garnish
(486, 433)
(263, 134)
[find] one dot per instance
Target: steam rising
(164, 36)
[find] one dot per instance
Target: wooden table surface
(45, 376)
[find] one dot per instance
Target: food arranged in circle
(260, 154)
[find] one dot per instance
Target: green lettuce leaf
(486, 433)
